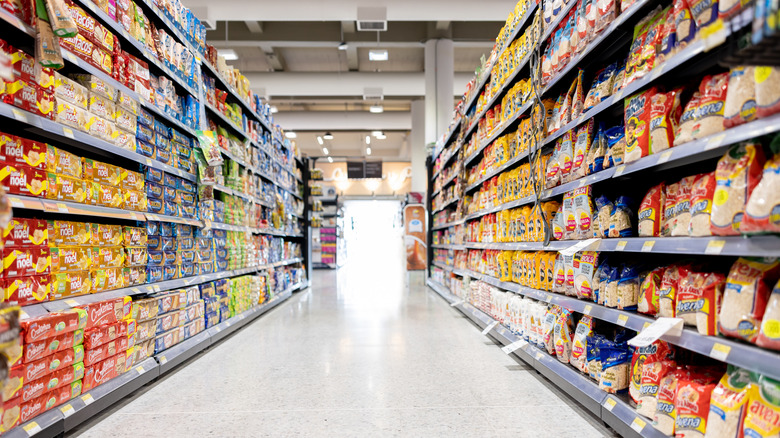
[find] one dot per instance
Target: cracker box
(97, 336)
(132, 180)
(104, 371)
(66, 188)
(16, 150)
(100, 127)
(146, 330)
(106, 350)
(100, 106)
(135, 200)
(103, 173)
(108, 257)
(63, 162)
(168, 339)
(26, 261)
(107, 235)
(13, 383)
(106, 196)
(67, 233)
(107, 279)
(58, 379)
(70, 259)
(11, 414)
(23, 180)
(135, 256)
(135, 236)
(146, 309)
(53, 324)
(25, 232)
(70, 90)
(107, 312)
(71, 114)
(134, 275)
(70, 284)
(54, 362)
(124, 140)
(40, 349)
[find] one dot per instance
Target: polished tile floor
(367, 351)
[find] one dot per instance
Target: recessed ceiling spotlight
(376, 109)
(228, 54)
(368, 139)
(381, 137)
(368, 150)
(378, 55)
(274, 109)
(377, 133)
(330, 159)
(325, 151)
(328, 136)
(290, 134)
(319, 140)
(343, 46)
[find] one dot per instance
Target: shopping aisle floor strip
(65, 418)
(613, 410)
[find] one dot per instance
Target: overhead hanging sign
(356, 169)
(373, 169)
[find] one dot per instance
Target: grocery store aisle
(358, 354)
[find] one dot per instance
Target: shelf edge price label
(514, 346)
(715, 141)
(539, 355)
(720, 351)
(638, 424)
(587, 309)
(163, 360)
(664, 157)
(619, 171)
(622, 320)
(67, 410)
(140, 369)
(71, 302)
(67, 132)
(715, 247)
(19, 115)
(88, 399)
(489, 327)
(648, 246)
(32, 428)
(609, 404)
(621, 245)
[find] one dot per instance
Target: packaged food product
(27, 290)
(52, 324)
(648, 291)
(650, 379)
(769, 336)
(106, 196)
(651, 212)
(702, 193)
(23, 262)
(669, 209)
(665, 412)
(579, 350)
(727, 404)
(763, 205)
(737, 174)
(23, 180)
(25, 232)
(682, 207)
(96, 85)
(36, 350)
(628, 287)
(637, 121)
(692, 405)
(662, 120)
(16, 150)
(582, 209)
(616, 141)
(70, 259)
(745, 297)
(763, 408)
(615, 370)
(64, 375)
(688, 119)
(103, 173)
(740, 105)
(97, 336)
(71, 114)
(66, 188)
(548, 327)
(685, 30)
(668, 292)
(711, 108)
(70, 90)
(69, 284)
(562, 336)
(767, 92)
(621, 222)
(584, 273)
(104, 371)
(107, 312)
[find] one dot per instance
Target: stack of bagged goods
(53, 370)
(170, 195)
(109, 341)
(216, 298)
(244, 293)
(12, 377)
(163, 143)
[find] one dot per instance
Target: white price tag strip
(638, 424)
(32, 428)
(619, 171)
(621, 245)
(661, 327)
(648, 246)
(609, 404)
(715, 247)
(514, 346)
(578, 247)
(587, 309)
(664, 157)
(489, 327)
(715, 141)
(720, 352)
(67, 410)
(622, 320)
(457, 303)
(19, 115)
(67, 132)
(163, 360)
(88, 400)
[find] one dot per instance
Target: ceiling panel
(314, 59)
(250, 59)
(352, 144)
(467, 59)
(399, 60)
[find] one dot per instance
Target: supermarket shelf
(91, 69)
(65, 134)
(445, 163)
(225, 328)
(453, 246)
(229, 123)
(447, 204)
(507, 205)
(66, 207)
(614, 410)
(47, 425)
(181, 352)
(444, 266)
(16, 22)
(445, 183)
(160, 114)
(174, 219)
(448, 224)
(582, 182)
(497, 132)
(497, 171)
(548, 30)
(234, 94)
(453, 129)
(170, 26)
(726, 350)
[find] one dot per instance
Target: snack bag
(711, 109)
(579, 350)
(661, 121)
(746, 295)
(651, 212)
(637, 122)
(702, 193)
(708, 303)
(727, 404)
(565, 157)
(704, 12)
(583, 212)
(762, 212)
(741, 98)
(769, 336)
(737, 174)
(682, 207)
(763, 408)
(648, 291)
(548, 328)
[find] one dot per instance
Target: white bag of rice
(741, 97)
(682, 207)
(710, 297)
(562, 335)
(737, 174)
(767, 90)
(746, 295)
(727, 404)
(652, 373)
(713, 98)
(688, 119)
(665, 413)
(769, 336)
(701, 205)
(763, 206)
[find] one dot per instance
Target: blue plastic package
(186, 270)
(169, 258)
(155, 206)
(155, 258)
(186, 243)
(144, 148)
(169, 194)
(154, 190)
(145, 118)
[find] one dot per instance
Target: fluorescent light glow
(343, 46)
(290, 134)
(330, 159)
(377, 133)
(228, 54)
(319, 140)
(328, 136)
(368, 150)
(377, 55)
(376, 109)
(325, 151)
(368, 139)
(274, 110)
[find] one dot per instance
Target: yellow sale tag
(715, 141)
(638, 424)
(67, 410)
(622, 320)
(665, 157)
(19, 115)
(62, 207)
(87, 398)
(648, 246)
(31, 428)
(720, 351)
(610, 403)
(621, 245)
(67, 132)
(587, 310)
(715, 247)
(71, 302)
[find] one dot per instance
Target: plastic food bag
(562, 335)
(628, 288)
(727, 404)
(685, 30)
(769, 336)
(651, 212)
(637, 120)
(605, 209)
(713, 91)
(615, 368)
(584, 273)
(665, 413)
(669, 208)
(616, 141)
(682, 207)
(687, 297)
(762, 212)
(597, 151)
(668, 292)
(548, 328)
(762, 405)
(611, 282)
(692, 404)
(594, 356)
(579, 351)
(668, 36)
(607, 11)
(701, 204)
(581, 149)
(662, 120)
(737, 174)
(708, 304)
(650, 379)
(565, 157)
(746, 295)
(767, 90)
(621, 222)
(688, 119)
(741, 97)
(704, 12)
(648, 291)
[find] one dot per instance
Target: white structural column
(417, 140)
(439, 77)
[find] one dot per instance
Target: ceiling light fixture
(328, 136)
(290, 134)
(378, 55)
(368, 139)
(381, 137)
(330, 159)
(325, 151)
(343, 45)
(376, 109)
(377, 133)
(319, 140)
(368, 150)
(274, 109)
(228, 54)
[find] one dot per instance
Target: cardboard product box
(136, 256)
(66, 188)
(67, 233)
(108, 349)
(125, 120)
(11, 414)
(102, 173)
(70, 259)
(96, 85)
(13, 383)
(25, 232)
(101, 107)
(58, 379)
(132, 180)
(106, 196)
(205, 268)
(49, 400)
(194, 312)
(71, 114)
(46, 365)
(125, 140)
(134, 275)
(107, 235)
(16, 150)
(97, 336)
(71, 91)
(154, 273)
(146, 330)
(63, 162)
(144, 148)
(172, 301)
(194, 327)
(108, 257)
(26, 261)
(145, 309)
(23, 180)
(33, 351)
(107, 279)
(107, 312)
(170, 272)
(168, 339)
(187, 270)
(53, 324)
(70, 284)
(103, 371)
(100, 127)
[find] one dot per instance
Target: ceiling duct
(373, 93)
(372, 19)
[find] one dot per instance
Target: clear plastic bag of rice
(762, 212)
(727, 404)
(737, 174)
(559, 275)
(658, 350)
(615, 368)
(767, 81)
(548, 328)
(611, 293)
(713, 98)
(648, 291)
(682, 207)
(741, 97)
(604, 209)
(628, 287)
(688, 119)
(652, 373)
(769, 336)
(621, 222)
(746, 295)
(710, 297)
(594, 356)
(702, 193)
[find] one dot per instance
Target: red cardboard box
(100, 335)
(104, 371)
(11, 414)
(27, 290)
(23, 180)
(25, 232)
(26, 261)
(55, 362)
(39, 349)
(53, 324)
(102, 352)
(55, 380)
(107, 312)
(16, 150)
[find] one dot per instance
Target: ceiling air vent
(373, 93)
(372, 19)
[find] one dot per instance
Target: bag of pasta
(737, 174)
(628, 287)
(746, 295)
(762, 212)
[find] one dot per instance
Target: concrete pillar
(439, 97)
(417, 143)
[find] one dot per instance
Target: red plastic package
(650, 216)
(737, 174)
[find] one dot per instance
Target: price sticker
(720, 351)
(609, 404)
(148, 162)
(621, 245)
(23, 314)
(140, 369)
(163, 360)
(489, 327)
(156, 288)
(646, 325)
(619, 171)
(548, 298)
(71, 302)
(67, 410)
(514, 346)
(87, 398)
(715, 247)
(62, 208)
(16, 202)
(658, 71)
(135, 290)
(587, 309)
(664, 157)
(638, 424)
(67, 132)
(648, 246)
(618, 96)
(539, 355)
(19, 115)
(622, 320)
(715, 141)
(31, 428)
